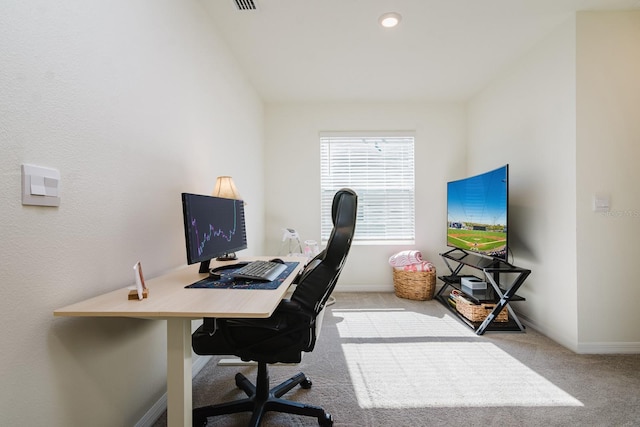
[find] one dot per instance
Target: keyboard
(265, 271)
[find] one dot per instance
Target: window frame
(403, 225)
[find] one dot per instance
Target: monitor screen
(477, 213)
(213, 227)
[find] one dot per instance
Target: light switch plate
(40, 186)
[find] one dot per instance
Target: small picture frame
(140, 291)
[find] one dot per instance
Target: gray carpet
(387, 361)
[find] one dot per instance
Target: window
(380, 168)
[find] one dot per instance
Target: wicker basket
(478, 312)
(416, 285)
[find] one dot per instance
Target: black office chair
(291, 330)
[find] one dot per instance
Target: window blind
(380, 169)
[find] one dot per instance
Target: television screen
(213, 226)
(477, 213)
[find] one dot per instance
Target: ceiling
(334, 50)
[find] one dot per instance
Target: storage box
(479, 312)
(416, 285)
(473, 283)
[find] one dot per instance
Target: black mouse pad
(228, 282)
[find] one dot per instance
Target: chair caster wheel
(326, 421)
(199, 422)
(306, 383)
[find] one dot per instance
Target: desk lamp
(226, 188)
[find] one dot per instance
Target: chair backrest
(320, 276)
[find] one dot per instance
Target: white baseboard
(158, 408)
(584, 347)
(609, 348)
(369, 288)
(364, 288)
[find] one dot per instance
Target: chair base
(261, 399)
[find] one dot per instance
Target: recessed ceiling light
(390, 19)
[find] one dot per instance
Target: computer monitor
(213, 227)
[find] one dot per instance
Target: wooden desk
(169, 300)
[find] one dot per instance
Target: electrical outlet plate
(601, 203)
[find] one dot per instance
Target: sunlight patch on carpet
(397, 323)
(389, 373)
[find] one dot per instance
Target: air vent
(246, 4)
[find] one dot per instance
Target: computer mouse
(278, 260)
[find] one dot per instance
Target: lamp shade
(226, 188)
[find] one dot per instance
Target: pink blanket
(405, 258)
(421, 266)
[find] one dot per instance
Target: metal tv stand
(501, 292)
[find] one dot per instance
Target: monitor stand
(205, 265)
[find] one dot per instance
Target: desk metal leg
(179, 403)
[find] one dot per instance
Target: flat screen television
(214, 227)
(478, 213)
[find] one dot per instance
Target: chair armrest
(280, 319)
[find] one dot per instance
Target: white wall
(608, 149)
(134, 102)
(293, 175)
(526, 118)
(566, 118)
